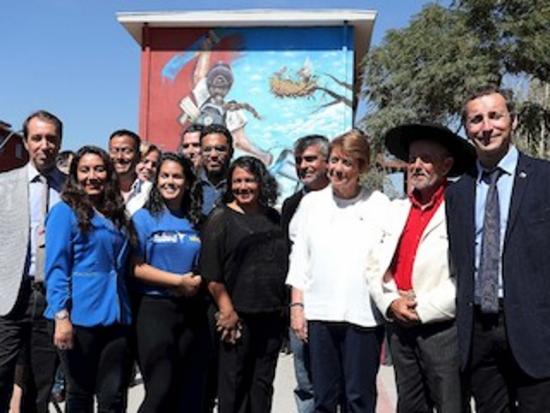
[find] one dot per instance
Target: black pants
(97, 365)
(247, 368)
(344, 363)
(427, 368)
(173, 348)
(25, 329)
(497, 382)
(211, 390)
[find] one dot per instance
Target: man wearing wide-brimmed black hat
(409, 276)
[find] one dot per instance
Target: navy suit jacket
(525, 263)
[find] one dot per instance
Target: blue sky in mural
(286, 119)
(74, 59)
(283, 119)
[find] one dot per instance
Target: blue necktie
(490, 246)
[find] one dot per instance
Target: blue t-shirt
(167, 242)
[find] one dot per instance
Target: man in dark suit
(498, 219)
(27, 195)
(311, 154)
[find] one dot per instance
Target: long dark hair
(191, 202)
(268, 185)
(111, 204)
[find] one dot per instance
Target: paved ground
(283, 401)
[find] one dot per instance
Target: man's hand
(298, 322)
(403, 311)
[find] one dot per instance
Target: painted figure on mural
(208, 105)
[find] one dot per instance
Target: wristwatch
(296, 304)
(62, 315)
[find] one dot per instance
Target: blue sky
(73, 58)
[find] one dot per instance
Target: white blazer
(432, 283)
(14, 229)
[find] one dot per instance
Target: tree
(532, 134)
(515, 30)
(423, 72)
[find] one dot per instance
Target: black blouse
(248, 253)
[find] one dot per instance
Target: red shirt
(417, 221)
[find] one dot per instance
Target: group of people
(180, 262)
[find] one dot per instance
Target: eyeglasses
(217, 148)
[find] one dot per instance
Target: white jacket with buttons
(433, 285)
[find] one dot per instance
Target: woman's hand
(63, 337)
(298, 322)
(227, 319)
(188, 285)
(229, 325)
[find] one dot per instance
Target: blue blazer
(525, 265)
(86, 271)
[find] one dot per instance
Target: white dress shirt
(36, 198)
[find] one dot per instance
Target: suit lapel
(15, 226)
(469, 221)
(464, 210)
(436, 220)
(521, 181)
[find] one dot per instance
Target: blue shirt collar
(508, 163)
(204, 179)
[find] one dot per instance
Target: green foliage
(377, 179)
(532, 133)
(516, 30)
(423, 72)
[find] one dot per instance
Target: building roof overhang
(361, 20)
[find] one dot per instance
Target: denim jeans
(303, 393)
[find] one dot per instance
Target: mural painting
(268, 86)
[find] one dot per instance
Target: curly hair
(267, 183)
(191, 203)
(111, 204)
